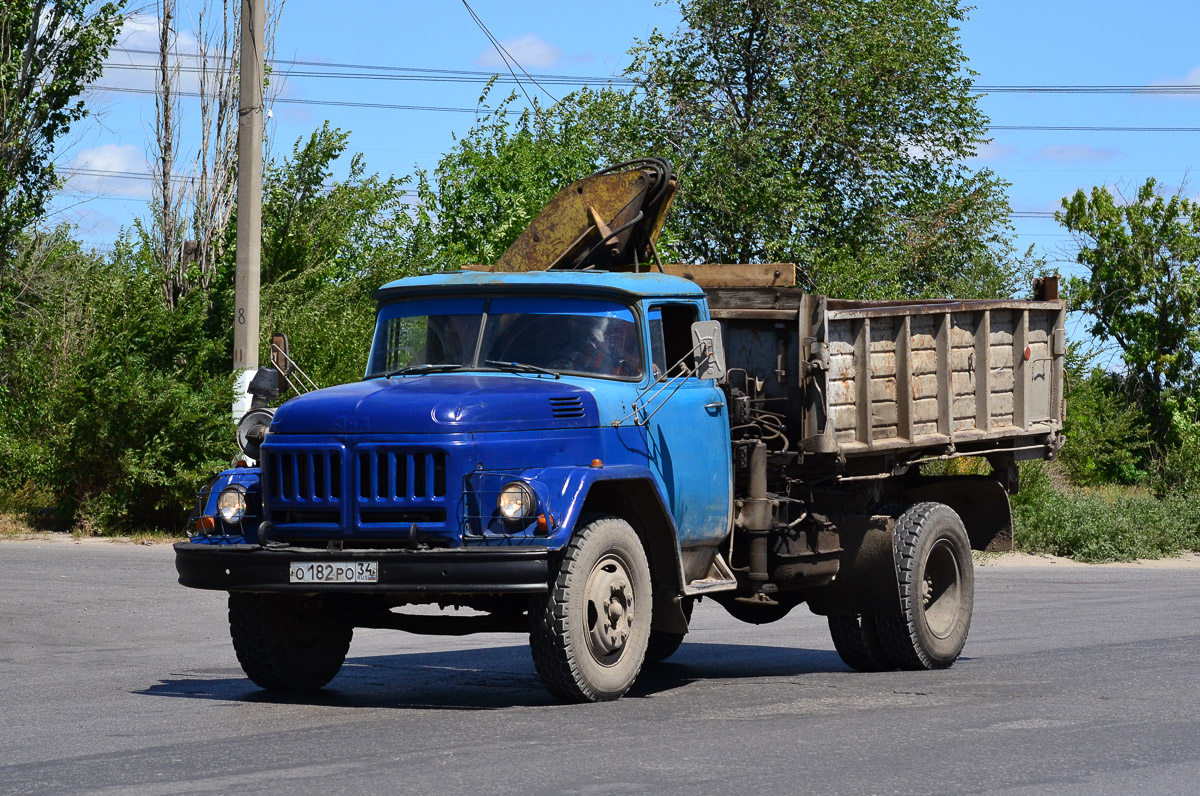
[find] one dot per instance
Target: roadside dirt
(1184, 561)
(66, 538)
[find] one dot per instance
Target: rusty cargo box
(877, 383)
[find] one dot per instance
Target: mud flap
(979, 500)
(866, 580)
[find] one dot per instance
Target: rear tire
(589, 635)
(856, 639)
(937, 589)
(287, 643)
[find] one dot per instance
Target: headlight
(516, 501)
(231, 504)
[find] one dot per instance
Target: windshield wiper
(521, 367)
(443, 368)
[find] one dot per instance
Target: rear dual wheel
(937, 593)
(856, 639)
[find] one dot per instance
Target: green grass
(17, 526)
(1103, 523)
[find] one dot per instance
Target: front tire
(590, 633)
(937, 589)
(287, 643)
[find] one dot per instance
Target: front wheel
(589, 634)
(937, 589)
(287, 643)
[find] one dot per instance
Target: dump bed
(876, 383)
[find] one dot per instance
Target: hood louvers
(568, 407)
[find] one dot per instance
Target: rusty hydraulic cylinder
(755, 514)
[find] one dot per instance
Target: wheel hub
(940, 590)
(609, 609)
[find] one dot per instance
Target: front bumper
(249, 567)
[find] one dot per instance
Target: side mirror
(280, 353)
(710, 350)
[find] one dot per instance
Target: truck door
(688, 430)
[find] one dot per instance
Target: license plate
(333, 572)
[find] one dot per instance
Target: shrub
(1107, 435)
(1101, 524)
(116, 405)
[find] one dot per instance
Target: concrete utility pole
(249, 203)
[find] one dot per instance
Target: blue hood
(432, 404)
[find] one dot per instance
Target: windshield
(594, 337)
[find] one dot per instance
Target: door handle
(715, 405)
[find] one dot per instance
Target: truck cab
(534, 386)
(499, 415)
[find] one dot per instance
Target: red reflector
(1027, 353)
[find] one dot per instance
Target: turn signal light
(597, 463)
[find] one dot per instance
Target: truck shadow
(490, 678)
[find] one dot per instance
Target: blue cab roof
(632, 285)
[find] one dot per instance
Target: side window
(671, 336)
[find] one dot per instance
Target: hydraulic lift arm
(610, 220)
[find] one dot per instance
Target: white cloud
(529, 50)
(92, 171)
(992, 151)
(1076, 153)
(1192, 78)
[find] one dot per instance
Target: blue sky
(1013, 42)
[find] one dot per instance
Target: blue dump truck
(578, 446)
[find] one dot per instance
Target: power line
(80, 171)
(1159, 89)
(483, 76)
(447, 109)
(468, 75)
(83, 171)
(335, 103)
(139, 175)
(506, 56)
(1093, 129)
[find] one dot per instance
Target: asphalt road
(113, 679)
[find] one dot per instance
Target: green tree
(1142, 290)
(114, 399)
(827, 134)
(491, 184)
(327, 245)
(831, 134)
(115, 405)
(1108, 438)
(49, 51)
